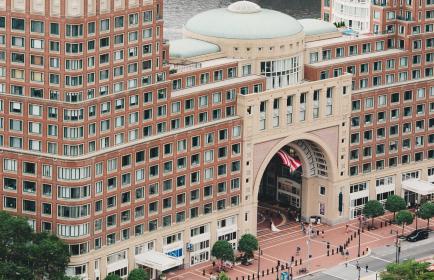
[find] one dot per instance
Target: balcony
(405, 18)
(381, 3)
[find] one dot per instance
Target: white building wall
(355, 13)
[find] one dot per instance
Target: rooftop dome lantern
(244, 7)
(243, 20)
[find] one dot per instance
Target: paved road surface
(377, 261)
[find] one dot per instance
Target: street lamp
(308, 241)
(290, 270)
(397, 245)
(416, 212)
(259, 259)
(358, 268)
(359, 232)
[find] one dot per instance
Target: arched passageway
(297, 192)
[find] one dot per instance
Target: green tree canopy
(404, 217)
(50, 255)
(426, 211)
(373, 209)
(223, 276)
(112, 277)
(247, 244)
(223, 251)
(138, 274)
(395, 203)
(407, 270)
(25, 254)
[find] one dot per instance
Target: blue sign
(175, 253)
(284, 276)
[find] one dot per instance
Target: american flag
(289, 161)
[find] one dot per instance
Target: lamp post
(397, 245)
(308, 241)
(416, 212)
(259, 259)
(290, 270)
(359, 232)
(398, 249)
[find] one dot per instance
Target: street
(377, 261)
(282, 246)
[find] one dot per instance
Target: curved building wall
(286, 54)
(94, 145)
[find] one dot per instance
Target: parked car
(417, 235)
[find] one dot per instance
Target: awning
(157, 260)
(418, 186)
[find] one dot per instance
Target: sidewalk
(281, 247)
(377, 261)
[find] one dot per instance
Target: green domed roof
(316, 27)
(244, 20)
(186, 48)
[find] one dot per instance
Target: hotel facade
(141, 152)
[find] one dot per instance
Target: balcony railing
(382, 3)
(175, 68)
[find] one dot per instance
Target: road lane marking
(381, 259)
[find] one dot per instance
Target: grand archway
(311, 190)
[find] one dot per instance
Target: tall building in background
(142, 152)
(354, 14)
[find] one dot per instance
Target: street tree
(138, 274)
(426, 212)
(395, 203)
(223, 276)
(404, 217)
(373, 209)
(222, 250)
(25, 254)
(50, 256)
(407, 270)
(112, 277)
(247, 244)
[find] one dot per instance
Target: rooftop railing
(175, 68)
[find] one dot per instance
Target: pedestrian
(366, 267)
(322, 234)
(346, 264)
(317, 233)
(347, 228)
(298, 251)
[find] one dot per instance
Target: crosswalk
(376, 262)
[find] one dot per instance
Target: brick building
(142, 152)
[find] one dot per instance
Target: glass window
(37, 26)
(18, 24)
